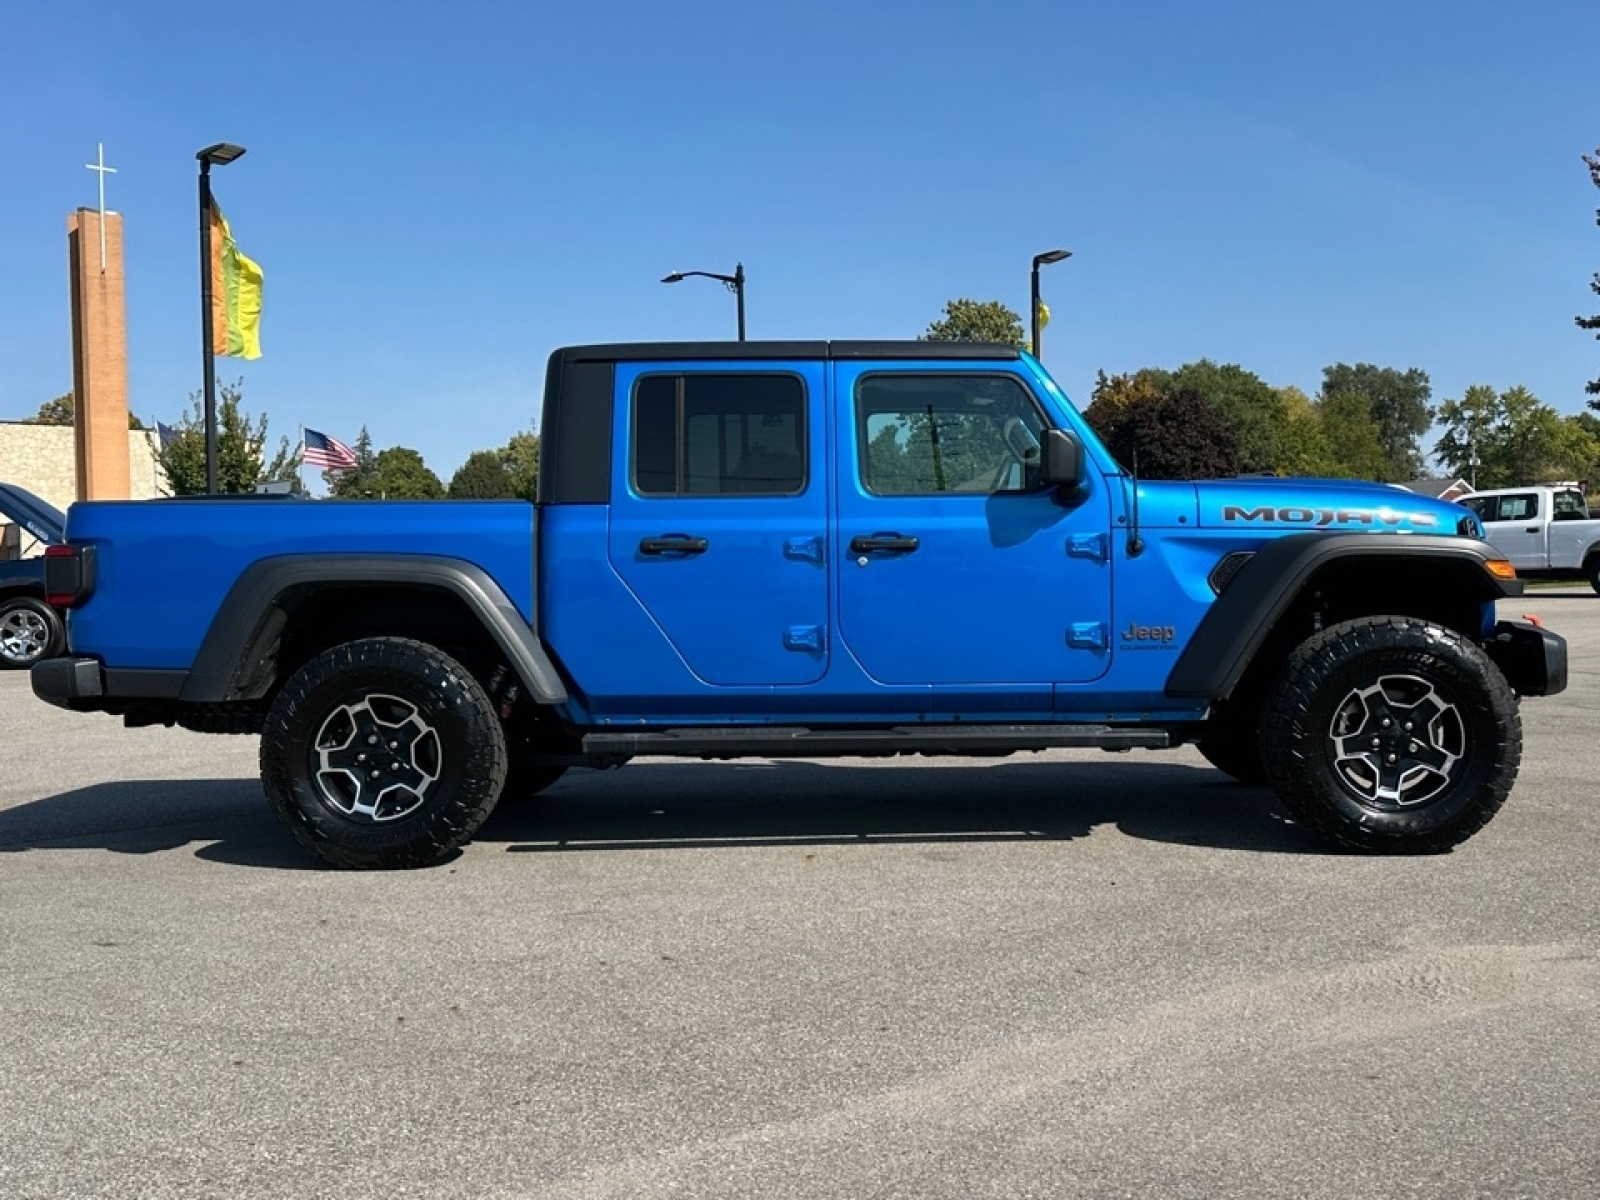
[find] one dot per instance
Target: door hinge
(1087, 635)
(1093, 546)
(812, 638)
(804, 549)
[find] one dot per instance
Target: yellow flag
(1044, 314)
(235, 294)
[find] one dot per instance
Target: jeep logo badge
(1149, 633)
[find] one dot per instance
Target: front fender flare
(1242, 617)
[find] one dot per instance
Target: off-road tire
(406, 799)
(1431, 777)
(30, 632)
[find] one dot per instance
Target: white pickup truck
(1542, 530)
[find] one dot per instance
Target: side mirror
(1061, 461)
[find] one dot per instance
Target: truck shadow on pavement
(695, 805)
(667, 805)
(148, 816)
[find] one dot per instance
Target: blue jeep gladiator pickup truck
(809, 549)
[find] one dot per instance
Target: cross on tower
(100, 166)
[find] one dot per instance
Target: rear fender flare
(250, 619)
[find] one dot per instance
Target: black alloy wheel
(1390, 734)
(382, 752)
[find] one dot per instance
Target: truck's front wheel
(1389, 734)
(382, 752)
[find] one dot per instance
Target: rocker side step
(801, 742)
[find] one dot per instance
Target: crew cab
(1543, 531)
(806, 549)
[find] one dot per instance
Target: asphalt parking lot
(1062, 975)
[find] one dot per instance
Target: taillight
(68, 575)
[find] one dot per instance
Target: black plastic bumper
(61, 681)
(1533, 660)
(84, 685)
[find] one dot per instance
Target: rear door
(1515, 525)
(1571, 531)
(719, 515)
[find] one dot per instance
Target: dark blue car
(30, 629)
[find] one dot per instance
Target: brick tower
(99, 354)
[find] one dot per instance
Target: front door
(719, 516)
(956, 568)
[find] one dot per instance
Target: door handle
(673, 543)
(892, 542)
(1531, 529)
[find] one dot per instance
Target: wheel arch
(1297, 583)
(13, 588)
(283, 610)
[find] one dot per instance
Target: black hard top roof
(701, 351)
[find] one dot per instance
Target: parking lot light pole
(1049, 256)
(220, 155)
(734, 283)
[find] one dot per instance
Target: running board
(800, 742)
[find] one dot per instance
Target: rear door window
(1522, 506)
(724, 434)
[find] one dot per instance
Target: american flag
(320, 450)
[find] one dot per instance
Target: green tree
(1397, 403)
(976, 321)
(482, 477)
(1590, 474)
(520, 457)
(1247, 405)
(1513, 439)
(1171, 435)
(62, 411)
(1112, 392)
(1355, 447)
(1303, 447)
(1593, 386)
(241, 449)
(400, 474)
(355, 482)
(1467, 423)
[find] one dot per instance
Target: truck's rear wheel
(1389, 734)
(1592, 570)
(382, 753)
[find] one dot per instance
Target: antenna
(1135, 542)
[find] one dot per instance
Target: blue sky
(441, 193)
